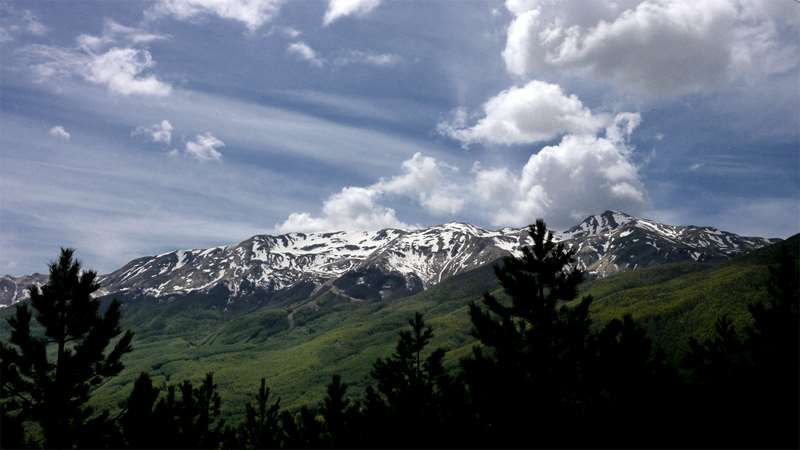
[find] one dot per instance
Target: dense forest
(542, 375)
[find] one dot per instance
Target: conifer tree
(405, 406)
(774, 343)
(338, 414)
(139, 425)
(744, 387)
(54, 391)
(261, 428)
(534, 349)
(302, 429)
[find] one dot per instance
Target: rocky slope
(393, 263)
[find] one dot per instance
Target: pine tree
(261, 428)
(405, 407)
(54, 392)
(140, 426)
(774, 343)
(534, 349)
(338, 414)
(744, 386)
(198, 414)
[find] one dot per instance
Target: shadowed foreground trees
(541, 376)
(50, 368)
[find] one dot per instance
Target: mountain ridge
(392, 263)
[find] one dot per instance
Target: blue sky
(133, 128)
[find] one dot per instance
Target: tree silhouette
(54, 392)
(534, 348)
(302, 429)
(744, 388)
(405, 407)
(261, 428)
(774, 343)
(140, 427)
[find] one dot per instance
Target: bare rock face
(392, 263)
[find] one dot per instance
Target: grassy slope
(187, 338)
(676, 301)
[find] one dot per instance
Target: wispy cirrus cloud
(368, 59)
(16, 22)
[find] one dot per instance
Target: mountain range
(394, 263)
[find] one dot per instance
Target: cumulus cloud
(59, 132)
(368, 58)
(304, 52)
(653, 47)
(252, 13)
(426, 180)
(204, 147)
(591, 168)
(535, 112)
(109, 60)
(159, 132)
(422, 179)
(354, 208)
(567, 181)
(338, 9)
(562, 183)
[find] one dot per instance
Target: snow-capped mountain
(14, 289)
(614, 241)
(393, 263)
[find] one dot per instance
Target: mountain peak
(391, 263)
(602, 223)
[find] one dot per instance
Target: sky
(134, 128)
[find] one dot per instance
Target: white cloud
(304, 52)
(368, 58)
(121, 69)
(653, 47)
(535, 112)
(252, 13)
(159, 132)
(423, 179)
(590, 169)
(354, 208)
(204, 148)
(565, 182)
(343, 8)
(60, 133)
